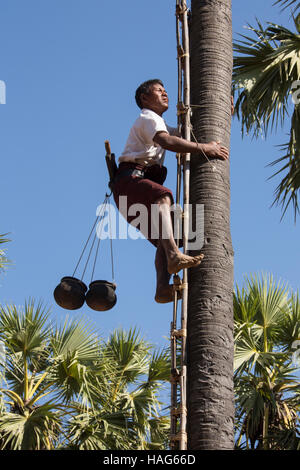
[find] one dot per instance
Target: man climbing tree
(141, 175)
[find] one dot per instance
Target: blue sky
(71, 68)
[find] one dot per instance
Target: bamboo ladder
(178, 437)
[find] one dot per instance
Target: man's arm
(177, 144)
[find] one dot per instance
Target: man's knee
(164, 200)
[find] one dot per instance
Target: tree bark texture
(210, 310)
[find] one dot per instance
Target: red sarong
(139, 190)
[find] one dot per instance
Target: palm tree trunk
(210, 310)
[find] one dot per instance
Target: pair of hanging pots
(71, 294)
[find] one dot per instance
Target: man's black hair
(145, 88)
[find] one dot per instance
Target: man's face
(157, 99)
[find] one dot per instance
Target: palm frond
(75, 347)
(261, 304)
(4, 261)
(246, 351)
(14, 372)
(265, 69)
(288, 3)
(35, 430)
(101, 431)
(272, 298)
(159, 366)
(130, 353)
(159, 433)
(23, 330)
(290, 327)
(245, 307)
(75, 337)
(287, 191)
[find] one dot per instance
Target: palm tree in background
(267, 333)
(125, 397)
(63, 387)
(267, 78)
(210, 311)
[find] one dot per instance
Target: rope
(100, 217)
(88, 257)
(85, 246)
(111, 246)
(181, 8)
(105, 204)
(96, 255)
(202, 151)
(195, 139)
(180, 56)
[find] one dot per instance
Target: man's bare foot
(166, 294)
(182, 261)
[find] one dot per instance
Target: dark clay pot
(70, 293)
(101, 295)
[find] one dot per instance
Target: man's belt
(129, 172)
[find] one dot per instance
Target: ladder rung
(181, 435)
(179, 333)
(181, 10)
(175, 375)
(178, 411)
(182, 109)
(180, 51)
(177, 282)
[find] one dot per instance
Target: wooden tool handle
(107, 147)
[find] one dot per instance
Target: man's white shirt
(140, 145)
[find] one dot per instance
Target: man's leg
(169, 259)
(164, 291)
(175, 259)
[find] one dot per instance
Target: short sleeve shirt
(140, 146)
